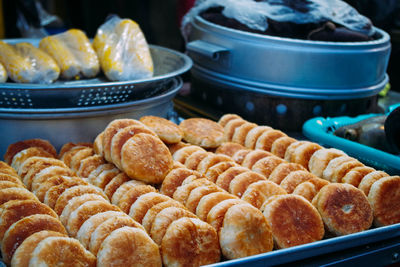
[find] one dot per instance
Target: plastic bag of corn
(123, 50)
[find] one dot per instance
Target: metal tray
(321, 130)
(97, 91)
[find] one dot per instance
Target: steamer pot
(78, 124)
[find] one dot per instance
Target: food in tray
(236, 201)
(3, 74)
(26, 63)
(123, 50)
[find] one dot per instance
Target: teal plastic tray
(321, 130)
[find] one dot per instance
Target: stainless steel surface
(98, 91)
(290, 62)
(79, 124)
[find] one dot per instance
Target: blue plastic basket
(321, 130)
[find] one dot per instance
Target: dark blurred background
(160, 19)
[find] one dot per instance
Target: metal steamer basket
(283, 82)
(76, 111)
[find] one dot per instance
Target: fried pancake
(338, 167)
(226, 118)
(183, 153)
(190, 178)
(75, 202)
(25, 227)
(128, 246)
(239, 156)
(109, 132)
(320, 159)
(25, 154)
(89, 164)
(266, 165)
(127, 199)
(193, 160)
(303, 153)
(343, 208)
(21, 145)
(355, 175)
(207, 202)
(123, 189)
(203, 240)
(230, 128)
(251, 158)
(210, 161)
(144, 203)
(202, 132)
(216, 215)
(384, 197)
(174, 179)
(146, 158)
(38, 165)
(54, 192)
(8, 184)
(105, 177)
(197, 193)
(225, 178)
(72, 192)
(164, 218)
(293, 179)
(175, 147)
(98, 144)
(293, 221)
(115, 183)
(7, 169)
(214, 171)
(23, 254)
(151, 213)
(245, 232)
(282, 170)
(85, 211)
(61, 251)
(55, 180)
(178, 165)
(47, 173)
(96, 172)
(257, 193)
(291, 148)
(370, 179)
(318, 183)
(166, 130)
(15, 193)
(240, 133)
(306, 190)
(121, 137)
(241, 182)
(68, 146)
(10, 178)
(68, 155)
(79, 156)
(229, 148)
(267, 138)
(279, 146)
(254, 134)
(89, 226)
(106, 228)
(181, 194)
(12, 211)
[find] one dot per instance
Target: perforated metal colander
(99, 91)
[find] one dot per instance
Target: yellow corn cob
(46, 68)
(18, 68)
(80, 46)
(59, 51)
(123, 51)
(3, 74)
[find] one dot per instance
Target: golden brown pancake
(210, 161)
(128, 246)
(320, 159)
(197, 193)
(216, 215)
(54, 192)
(251, 158)
(182, 193)
(291, 148)
(127, 199)
(230, 128)
(7, 169)
(266, 139)
(184, 152)
(343, 208)
(241, 182)
(52, 181)
(240, 134)
(123, 189)
(96, 172)
(151, 213)
(115, 183)
(166, 130)
(355, 175)
(279, 146)
(8, 184)
(202, 237)
(105, 177)
(306, 190)
(226, 118)
(15, 193)
(202, 132)
(174, 179)
(89, 164)
(21, 145)
(293, 179)
(146, 158)
(244, 232)
(266, 165)
(175, 147)
(303, 153)
(144, 203)
(61, 251)
(293, 221)
(68, 146)
(193, 160)
(338, 167)
(229, 148)
(370, 179)
(23, 254)
(282, 170)
(207, 202)
(225, 178)
(239, 156)
(254, 134)
(10, 178)
(68, 155)
(98, 144)
(25, 154)
(257, 193)
(79, 156)
(47, 173)
(214, 171)
(384, 197)
(25, 227)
